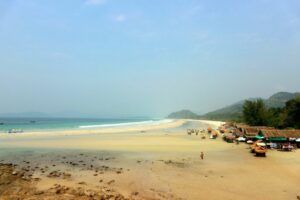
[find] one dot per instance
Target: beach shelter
(278, 139)
(279, 135)
(250, 132)
(209, 129)
(259, 137)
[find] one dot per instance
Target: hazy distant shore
(20, 125)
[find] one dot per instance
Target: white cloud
(120, 18)
(95, 2)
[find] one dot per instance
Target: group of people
(196, 131)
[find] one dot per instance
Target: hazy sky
(116, 58)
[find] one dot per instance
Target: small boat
(15, 131)
(32, 121)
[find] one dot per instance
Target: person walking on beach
(202, 155)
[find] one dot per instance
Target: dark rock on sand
(111, 182)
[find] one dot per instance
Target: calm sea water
(40, 124)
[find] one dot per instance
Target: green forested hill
(183, 114)
(235, 111)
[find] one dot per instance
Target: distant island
(235, 111)
(183, 114)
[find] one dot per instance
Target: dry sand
(158, 162)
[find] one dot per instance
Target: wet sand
(159, 163)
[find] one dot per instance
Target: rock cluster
(14, 187)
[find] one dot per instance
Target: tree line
(255, 113)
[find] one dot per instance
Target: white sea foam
(126, 124)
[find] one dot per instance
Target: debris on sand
(14, 173)
(174, 163)
(12, 186)
(66, 175)
(54, 174)
(111, 182)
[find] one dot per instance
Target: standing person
(202, 155)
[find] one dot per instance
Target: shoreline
(78, 124)
(161, 124)
(152, 138)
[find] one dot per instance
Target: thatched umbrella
(260, 151)
(209, 129)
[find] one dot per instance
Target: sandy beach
(142, 162)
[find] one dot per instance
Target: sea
(48, 124)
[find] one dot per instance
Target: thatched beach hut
(279, 134)
(250, 132)
(241, 126)
(214, 134)
(229, 137)
(260, 151)
(279, 138)
(237, 132)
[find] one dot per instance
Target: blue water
(42, 124)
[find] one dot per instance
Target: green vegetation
(255, 113)
(292, 113)
(234, 112)
(281, 110)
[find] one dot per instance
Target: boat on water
(15, 131)
(32, 121)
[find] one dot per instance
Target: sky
(126, 58)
